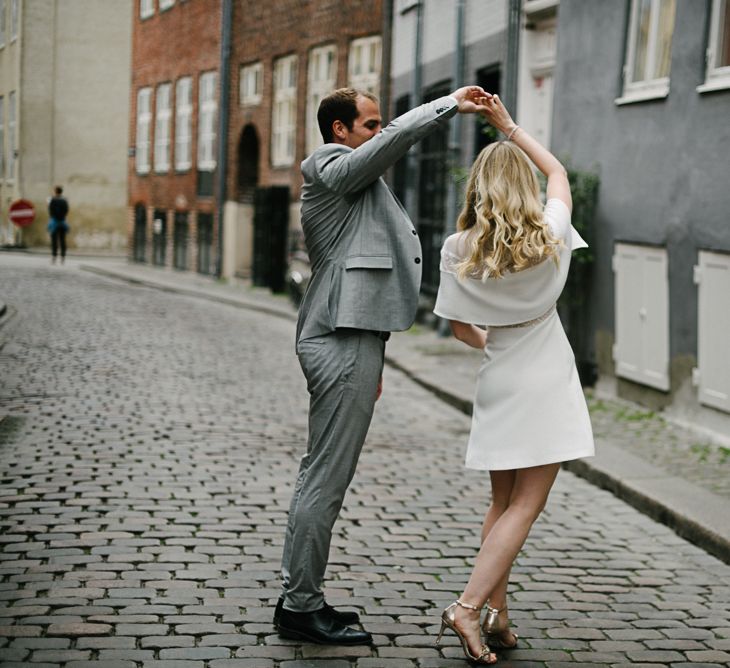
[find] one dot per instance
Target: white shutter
(713, 324)
(642, 315)
(655, 315)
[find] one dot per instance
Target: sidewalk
(670, 473)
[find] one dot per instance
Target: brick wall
(181, 41)
(265, 31)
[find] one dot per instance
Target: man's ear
(339, 130)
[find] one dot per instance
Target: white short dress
(529, 407)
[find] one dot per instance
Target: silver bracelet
(514, 129)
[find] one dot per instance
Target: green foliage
(584, 190)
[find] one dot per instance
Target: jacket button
(418, 260)
(414, 232)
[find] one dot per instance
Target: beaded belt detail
(527, 323)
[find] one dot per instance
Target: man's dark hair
(340, 105)
(58, 190)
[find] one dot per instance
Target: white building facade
(64, 101)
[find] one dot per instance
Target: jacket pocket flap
(369, 262)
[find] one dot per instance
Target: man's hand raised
(470, 99)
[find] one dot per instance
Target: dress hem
(552, 460)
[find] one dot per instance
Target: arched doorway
(248, 164)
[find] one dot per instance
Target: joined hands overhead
(471, 99)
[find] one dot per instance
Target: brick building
(285, 57)
(173, 127)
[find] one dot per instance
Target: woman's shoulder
(557, 216)
(455, 244)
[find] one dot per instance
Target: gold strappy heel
(448, 621)
(496, 630)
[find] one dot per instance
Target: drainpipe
(222, 157)
(387, 49)
(513, 55)
(413, 155)
(452, 204)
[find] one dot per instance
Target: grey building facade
(642, 98)
(436, 47)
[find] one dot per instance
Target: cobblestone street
(147, 452)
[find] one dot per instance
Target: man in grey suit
(366, 275)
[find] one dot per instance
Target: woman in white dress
(504, 271)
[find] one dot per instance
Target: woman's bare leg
(503, 543)
(502, 485)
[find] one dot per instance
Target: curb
(689, 529)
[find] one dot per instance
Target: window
(183, 123)
(718, 48)
(251, 84)
(712, 374)
(144, 117)
(641, 284)
(208, 113)
(320, 82)
(364, 64)
(166, 4)
(2, 137)
(162, 128)
(433, 187)
(11, 136)
(649, 47)
(284, 120)
(3, 23)
(146, 8)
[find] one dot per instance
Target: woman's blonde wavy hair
(504, 215)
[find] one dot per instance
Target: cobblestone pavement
(146, 461)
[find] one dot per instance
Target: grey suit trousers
(342, 369)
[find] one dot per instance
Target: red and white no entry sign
(21, 212)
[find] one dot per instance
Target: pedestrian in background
(57, 225)
(504, 270)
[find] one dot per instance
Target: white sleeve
(450, 257)
(557, 216)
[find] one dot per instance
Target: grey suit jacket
(364, 250)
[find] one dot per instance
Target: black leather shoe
(320, 627)
(342, 616)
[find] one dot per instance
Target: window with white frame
(321, 78)
(641, 284)
(3, 23)
(14, 11)
(146, 8)
(163, 115)
(283, 117)
(207, 116)
(2, 137)
(183, 123)
(12, 147)
(251, 84)
(648, 50)
(364, 64)
(166, 4)
(712, 375)
(144, 118)
(718, 48)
